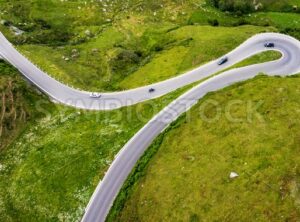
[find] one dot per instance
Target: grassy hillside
(108, 46)
(188, 177)
(17, 106)
(175, 52)
(52, 157)
(41, 166)
(50, 170)
(246, 6)
(93, 45)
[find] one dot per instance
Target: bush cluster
(240, 7)
(236, 6)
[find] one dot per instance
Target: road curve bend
(81, 99)
(289, 64)
(108, 188)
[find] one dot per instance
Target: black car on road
(151, 90)
(222, 61)
(269, 45)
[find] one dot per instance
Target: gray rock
(233, 175)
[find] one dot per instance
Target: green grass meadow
(50, 170)
(52, 157)
(184, 176)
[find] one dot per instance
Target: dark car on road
(222, 61)
(269, 45)
(151, 90)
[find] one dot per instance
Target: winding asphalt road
(81, 99)
(108, 188)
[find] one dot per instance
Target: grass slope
(41, 168)
(188, 178)
(49, 172)
(17, 104)
(182, 51)
(108, 46)
(53, 157)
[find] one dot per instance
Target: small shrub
(213, 22)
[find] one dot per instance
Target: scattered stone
(233, 175)
(16, 30)
(87, 32)
(95, 50)
(4, 22)
(258, 6)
